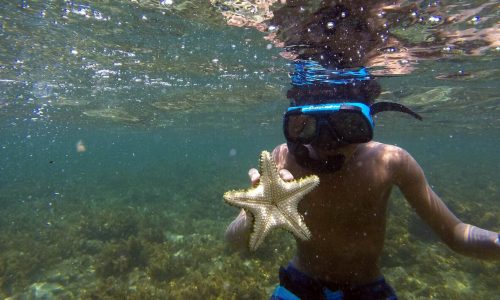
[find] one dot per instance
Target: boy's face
(344, 150)
(325, 140)
(330, 126)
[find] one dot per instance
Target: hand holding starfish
(273, 202)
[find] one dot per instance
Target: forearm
(476, 242)
(462, 238)
(238, 232)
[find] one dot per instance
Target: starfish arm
(301, 188)
(269, 171)
(298, 228)
(303, 185)
(294, 222)
(263, 224)
(244, 198)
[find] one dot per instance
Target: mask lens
(301, 128)
(350, 126)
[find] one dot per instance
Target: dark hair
(360, 91)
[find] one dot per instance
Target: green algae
(145, 257)
(119, 258)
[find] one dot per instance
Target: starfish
(273, 202)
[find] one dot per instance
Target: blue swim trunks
(295, 285)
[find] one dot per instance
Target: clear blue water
(173, 107)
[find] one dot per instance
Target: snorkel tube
(377, 107)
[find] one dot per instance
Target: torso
(346, 214)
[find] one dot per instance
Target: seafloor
(106, 245)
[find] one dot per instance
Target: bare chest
(342, 199)
(354, 197)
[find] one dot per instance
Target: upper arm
(410, 179)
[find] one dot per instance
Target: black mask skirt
(329, 165)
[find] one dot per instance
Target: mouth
(326, 140)
(330, 146)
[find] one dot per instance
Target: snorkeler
(332, 138)
(329, 129)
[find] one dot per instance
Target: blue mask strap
(311, 73)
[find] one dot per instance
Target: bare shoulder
(388, 153)
(394, 159)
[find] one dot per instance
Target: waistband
(306, 287)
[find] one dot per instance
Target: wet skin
(347, 213)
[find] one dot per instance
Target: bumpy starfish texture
(273, 202)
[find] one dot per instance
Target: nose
(326, 139)
(325, 131)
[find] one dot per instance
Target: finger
(286, 175)
(254, 176)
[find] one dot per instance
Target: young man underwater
(329, 129)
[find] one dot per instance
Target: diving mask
(346, 122)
